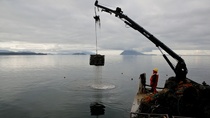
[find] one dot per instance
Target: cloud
(182, 25)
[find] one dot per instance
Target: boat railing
(148, 115)
(181, 117)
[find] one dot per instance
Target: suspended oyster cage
(97, 60)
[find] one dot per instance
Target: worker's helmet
(155, 70)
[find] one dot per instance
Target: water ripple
(102, 86)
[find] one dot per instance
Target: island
(6, 52)
(79, 53)
(131, 52)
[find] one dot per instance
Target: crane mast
(180, 69)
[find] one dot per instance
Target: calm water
(56, 86)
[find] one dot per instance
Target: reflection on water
(97, 109)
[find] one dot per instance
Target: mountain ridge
(131, 52)
(7, 52)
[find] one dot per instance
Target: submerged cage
(97, 60)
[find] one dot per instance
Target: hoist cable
(96, 38)
(97, 20)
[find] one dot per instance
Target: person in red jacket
(154, 80)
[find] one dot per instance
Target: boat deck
(137, 102)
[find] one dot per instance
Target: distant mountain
(6, 52)
(79, 54)
(83, 53)
(70, 52)
(131, 52)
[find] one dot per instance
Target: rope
(96, 39)
(97, 20)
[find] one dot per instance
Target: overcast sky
(62, 25)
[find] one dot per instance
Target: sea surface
(64, 86)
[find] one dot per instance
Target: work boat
(186, 99)
(180, 97)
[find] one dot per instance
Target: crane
(180, 69)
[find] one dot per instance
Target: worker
(154, 80)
